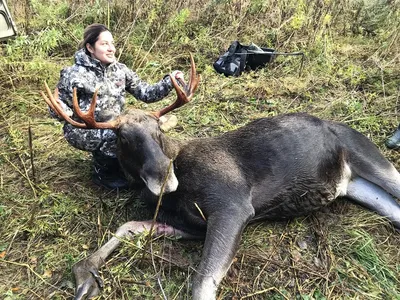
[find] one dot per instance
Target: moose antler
(86, 117)
(183, 91)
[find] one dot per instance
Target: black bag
(240, 57)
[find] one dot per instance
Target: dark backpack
(240, 57)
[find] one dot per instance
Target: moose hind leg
(387, 178)
(374, 198)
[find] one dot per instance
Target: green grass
(52, 215)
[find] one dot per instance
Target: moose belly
(297, 203)
(299, 198)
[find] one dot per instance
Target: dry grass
(53, 216)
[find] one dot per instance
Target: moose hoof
(87, 278)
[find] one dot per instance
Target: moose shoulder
(272, 168)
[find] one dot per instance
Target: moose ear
(167, 122)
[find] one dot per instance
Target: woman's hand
(178, 75)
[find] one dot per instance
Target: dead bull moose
(272, 168)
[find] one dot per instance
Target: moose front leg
(224, 230)
(88, 280)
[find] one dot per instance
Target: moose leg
(387, 177)
(374, 198)
(88, 281)
(224, 231)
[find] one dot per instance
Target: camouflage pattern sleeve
(145, 92)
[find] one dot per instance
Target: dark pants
(107, 172)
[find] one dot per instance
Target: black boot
(107, 172)
(394, 141)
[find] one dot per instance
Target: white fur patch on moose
(155, 186)
(341, 188)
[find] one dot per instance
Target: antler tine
(88, 117)
(185, 93)
(52, 101)
(194, 78)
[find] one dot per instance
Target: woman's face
(104, 49)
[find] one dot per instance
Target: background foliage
(52, 215)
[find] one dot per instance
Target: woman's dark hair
(91, 35)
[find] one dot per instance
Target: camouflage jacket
(87, 75)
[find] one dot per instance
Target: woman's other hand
(178, 75)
